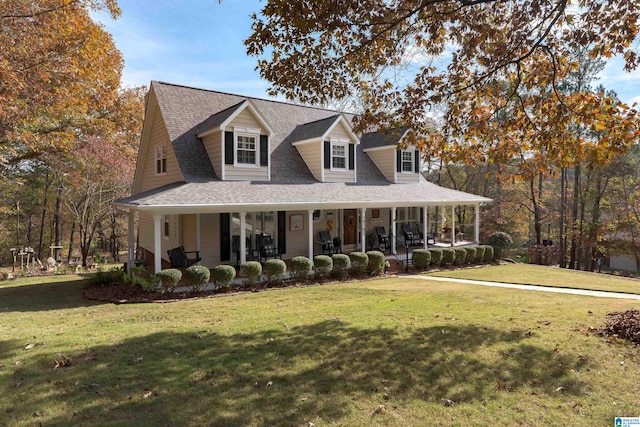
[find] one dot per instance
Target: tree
(491, 53)
(60, 76)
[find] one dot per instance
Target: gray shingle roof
(312, 130)
(382, 139)
(188, 111)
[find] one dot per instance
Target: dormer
(237, 141)
(398, 165)
(328, 148)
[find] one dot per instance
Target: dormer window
(339, 156)
(407, 161)
(246, 150)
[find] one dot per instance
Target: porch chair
(383, 239)
(251, 255)
(430, 239)
(410, 238)
(179, 258)
(326, 243)
(266, 247)
(418, 233)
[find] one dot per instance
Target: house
(217, 171)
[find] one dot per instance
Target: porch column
(310, 235)
(425, 225)
(363, 236)
(477, 230)
(443, 217)
(243, 237)
(130, 242)
(393, 231)
(198, 232)
(453, 226)
(157, 243)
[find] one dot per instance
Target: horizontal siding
(210, 239)
(340, 132)
(245, 119)
(158, 137)
(145, 224)
(213, 145)
(406, 178)
(297, 240)
(312, 154)
(339, 176)
(232, 173)
(385, 160)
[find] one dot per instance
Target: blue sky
(200, 43)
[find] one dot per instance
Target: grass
(528, 274)
(385, 352)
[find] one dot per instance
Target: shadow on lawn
(316, 372)
(44, 296)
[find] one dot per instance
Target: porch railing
(400, 245)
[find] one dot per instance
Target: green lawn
(378, 352)
(528, 274)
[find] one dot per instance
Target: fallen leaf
(29, 346)
(380, 410)
(448, 402)
(559, 389)
(148, 394)
(270, 383)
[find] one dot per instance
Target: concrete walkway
(600, 294)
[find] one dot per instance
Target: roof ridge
(251, 97)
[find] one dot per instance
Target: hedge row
(447, 257)
(337, 266)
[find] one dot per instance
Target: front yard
(376, 352)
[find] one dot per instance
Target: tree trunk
(595, 222)
(563, 207)
(73, 231)
(44, 214)
(58, 223)
(574, 217)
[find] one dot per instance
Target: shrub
(275, 270)
(322, 264)
(480, 254)
(223, 275)
(471, 255)
(359, 262)
(436, 256)
(250, 271)
(169, 278)
(109, 277)
(341, 265)
(375, 265)
(461, 255)
(499, 240)
(488, 253)
(300, 267)
(421, 258)
(448, 256)
(197, 275)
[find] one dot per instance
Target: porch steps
(395, 266)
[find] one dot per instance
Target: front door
(350, 226)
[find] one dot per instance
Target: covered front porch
(224, 237)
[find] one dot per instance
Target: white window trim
(159, 157)
(346, 156)
(402, 162)
(256, 138)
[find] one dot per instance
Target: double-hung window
(246, 150)
(161, 159)
(339, 156)
(407, 161)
